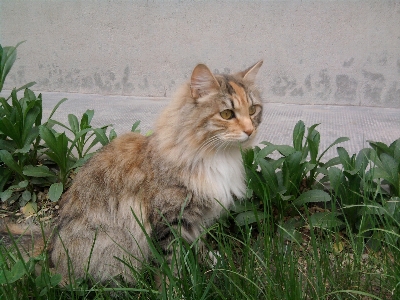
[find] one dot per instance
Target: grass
(255, 263)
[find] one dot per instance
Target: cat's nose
(248, 130)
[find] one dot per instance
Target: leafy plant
(386, 160)
(33, 154)
(284, 179)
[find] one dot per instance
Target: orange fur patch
(240, 92)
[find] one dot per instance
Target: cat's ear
(202, 82)
(250, 73)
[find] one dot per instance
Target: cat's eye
(227, 114)
(252, 110)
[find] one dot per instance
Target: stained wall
(314, 52)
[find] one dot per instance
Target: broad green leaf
(7, 158)
(269, 176)
(325, 220)
(135, 126)
(48, 136)
(38, 171)
(55, 279)
(336, 178)
(6, 195)
(298, 135)
(337, 141)
(89, 116)
(7, 145)
(285, 150)
(362, 160)
(29, 121)
(395, 146)
(17, 272)
(26, 196)
(391, 168)
(112, 134)
(313, 140)
(312, 196)
(5, 175)
(26, 86)
(380, 148)
(11, 130)
(344, 158)
(249, 217)
(288, 231)
(267, 150)
(55, 191)
(23, 184)
(101, 136)
(73, 123)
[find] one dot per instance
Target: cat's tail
(28, 239)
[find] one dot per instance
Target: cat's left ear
(202, 82)
(250, 73)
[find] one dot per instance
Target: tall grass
(254, 263)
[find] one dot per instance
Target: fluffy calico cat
(184, 174)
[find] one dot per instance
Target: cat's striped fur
(182, 175)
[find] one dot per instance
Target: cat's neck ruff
(220, 177)
(217, 177)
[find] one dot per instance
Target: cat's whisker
(210, 143)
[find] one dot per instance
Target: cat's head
(234, 99)
(215, 111)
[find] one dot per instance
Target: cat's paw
(214, 256)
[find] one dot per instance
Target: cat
(183, 175)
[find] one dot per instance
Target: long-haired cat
(185, 174)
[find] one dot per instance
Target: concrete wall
(315, 52)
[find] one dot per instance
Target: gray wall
(315, 52)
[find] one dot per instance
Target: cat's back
(116, 168)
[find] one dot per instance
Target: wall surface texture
(314, 52)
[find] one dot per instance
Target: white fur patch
(220, 177)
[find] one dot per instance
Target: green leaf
(38, 171)
(395, 147)
(267, 150)
(17, 272)
(23, 184)
(11, 130)
(101, 136)
(5, 175)
(380, 148)
(87, 119)
(313, 140)
(336, 178)
(6, 195)
(26, 86)
(26, 196)
(135, 126)
(345, 158)
(288, 231)
(337, 141)
(73, 123)
(298, 135)
(249, 217)
(325, 220)
(312, 196)
(7, 158)
(112, 134)
(29, 121)
(55, 279)
(7, 145)
(55, 191)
